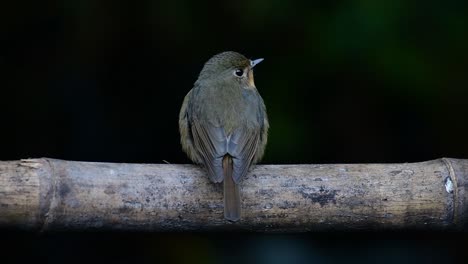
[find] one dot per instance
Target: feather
(232, 202)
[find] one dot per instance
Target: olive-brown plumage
(223, 123)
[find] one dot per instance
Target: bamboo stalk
(48, 194)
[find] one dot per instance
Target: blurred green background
(343, 81)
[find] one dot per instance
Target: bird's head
(230, 66)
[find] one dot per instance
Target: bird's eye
(239, 72)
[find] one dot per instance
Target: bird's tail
(232, 205)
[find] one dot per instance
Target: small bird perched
(223, 123)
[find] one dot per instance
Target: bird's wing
(242, 146)
(210, 141)
(186, 137)
(263, 134)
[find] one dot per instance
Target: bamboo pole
(48, 194)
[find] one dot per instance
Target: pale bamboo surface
(49, 195)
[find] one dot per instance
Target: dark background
(343, 81)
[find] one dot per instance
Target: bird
(223, 124)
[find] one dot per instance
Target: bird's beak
(255, 62)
